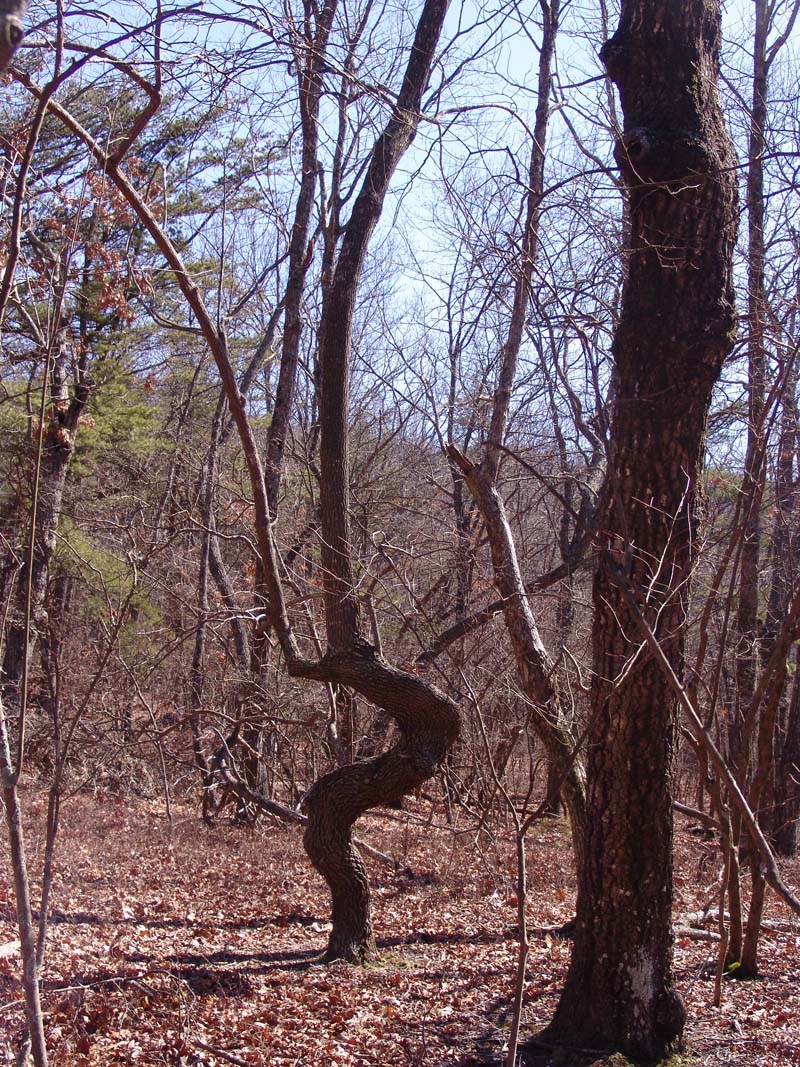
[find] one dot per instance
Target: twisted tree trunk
(428, 721)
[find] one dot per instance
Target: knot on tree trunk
(612, 56)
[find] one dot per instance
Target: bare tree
(428, 721)
(536, 669)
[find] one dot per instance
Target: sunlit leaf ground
(183, 945)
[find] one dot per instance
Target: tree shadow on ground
(300, 918)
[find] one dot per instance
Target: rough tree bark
(676, 327)
(12, 30)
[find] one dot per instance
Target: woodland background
(136, 632)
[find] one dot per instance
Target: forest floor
(176, 944)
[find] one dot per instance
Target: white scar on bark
(641, 976)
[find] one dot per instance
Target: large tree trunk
(675, 330)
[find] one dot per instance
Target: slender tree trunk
(427, 720)
(670, 344)
(754, 469)
(465, 544)
(785, 525)
(565, 616)
(787, 792)
(197, 667)
(766, 700)
(310, 49)
(311, 57)
(760, 725)
(19, 868)
(769, 713)
(741, 730)
(535, 668)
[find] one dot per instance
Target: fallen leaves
(187, 947)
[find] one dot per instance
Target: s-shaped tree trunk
(427, 719)
(676, 328)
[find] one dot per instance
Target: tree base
(539, 1052)
(604, 1039)
(350, 950)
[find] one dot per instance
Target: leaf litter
(181, 945)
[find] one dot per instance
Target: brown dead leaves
(186, 946)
